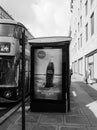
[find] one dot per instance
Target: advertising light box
(49, 75)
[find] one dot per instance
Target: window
(92, 24)
(7, 30)
(91, 65)
(78, 27)
(87, 32)
(95, 65)
(81, 4)
(86, 7)
(75, 67)
(80, 40)
(8, 71)
(92, 2)
(80, 66)
(78, 43)
(75, 47)
(81, 21)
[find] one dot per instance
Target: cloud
(52, 16)
(42, 17)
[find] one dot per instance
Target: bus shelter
(50, 78)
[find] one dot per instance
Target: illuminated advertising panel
(48, 74)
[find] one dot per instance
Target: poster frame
(49, 105)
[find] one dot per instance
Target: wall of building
(83, 48)
(4, 14)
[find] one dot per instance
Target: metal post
(68, 88)
(23, 80)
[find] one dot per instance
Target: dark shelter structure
(50, 87)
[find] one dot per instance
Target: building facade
(83, 48)
(4, 14)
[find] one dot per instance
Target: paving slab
(52, 118)
(29, 126)
(18, 126)
(44, 127)
(76, 111)
(72, 128)
(30, 118)
(76, 120)
(92, 128)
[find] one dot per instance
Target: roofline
(6, 13)
(11, 21)
(50, 39)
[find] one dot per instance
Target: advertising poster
(48, 73)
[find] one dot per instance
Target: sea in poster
(43, 75)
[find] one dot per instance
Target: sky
(41, 17)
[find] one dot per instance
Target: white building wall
(88, 47)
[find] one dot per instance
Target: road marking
(26, 108)
(74, 93)
(93, 107)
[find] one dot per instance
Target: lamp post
(23, 80)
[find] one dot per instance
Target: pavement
(92, 84)
(80, 116)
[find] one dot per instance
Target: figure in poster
(50, 74)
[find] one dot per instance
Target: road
(85, 96)
(80, 96)
(4, 111)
